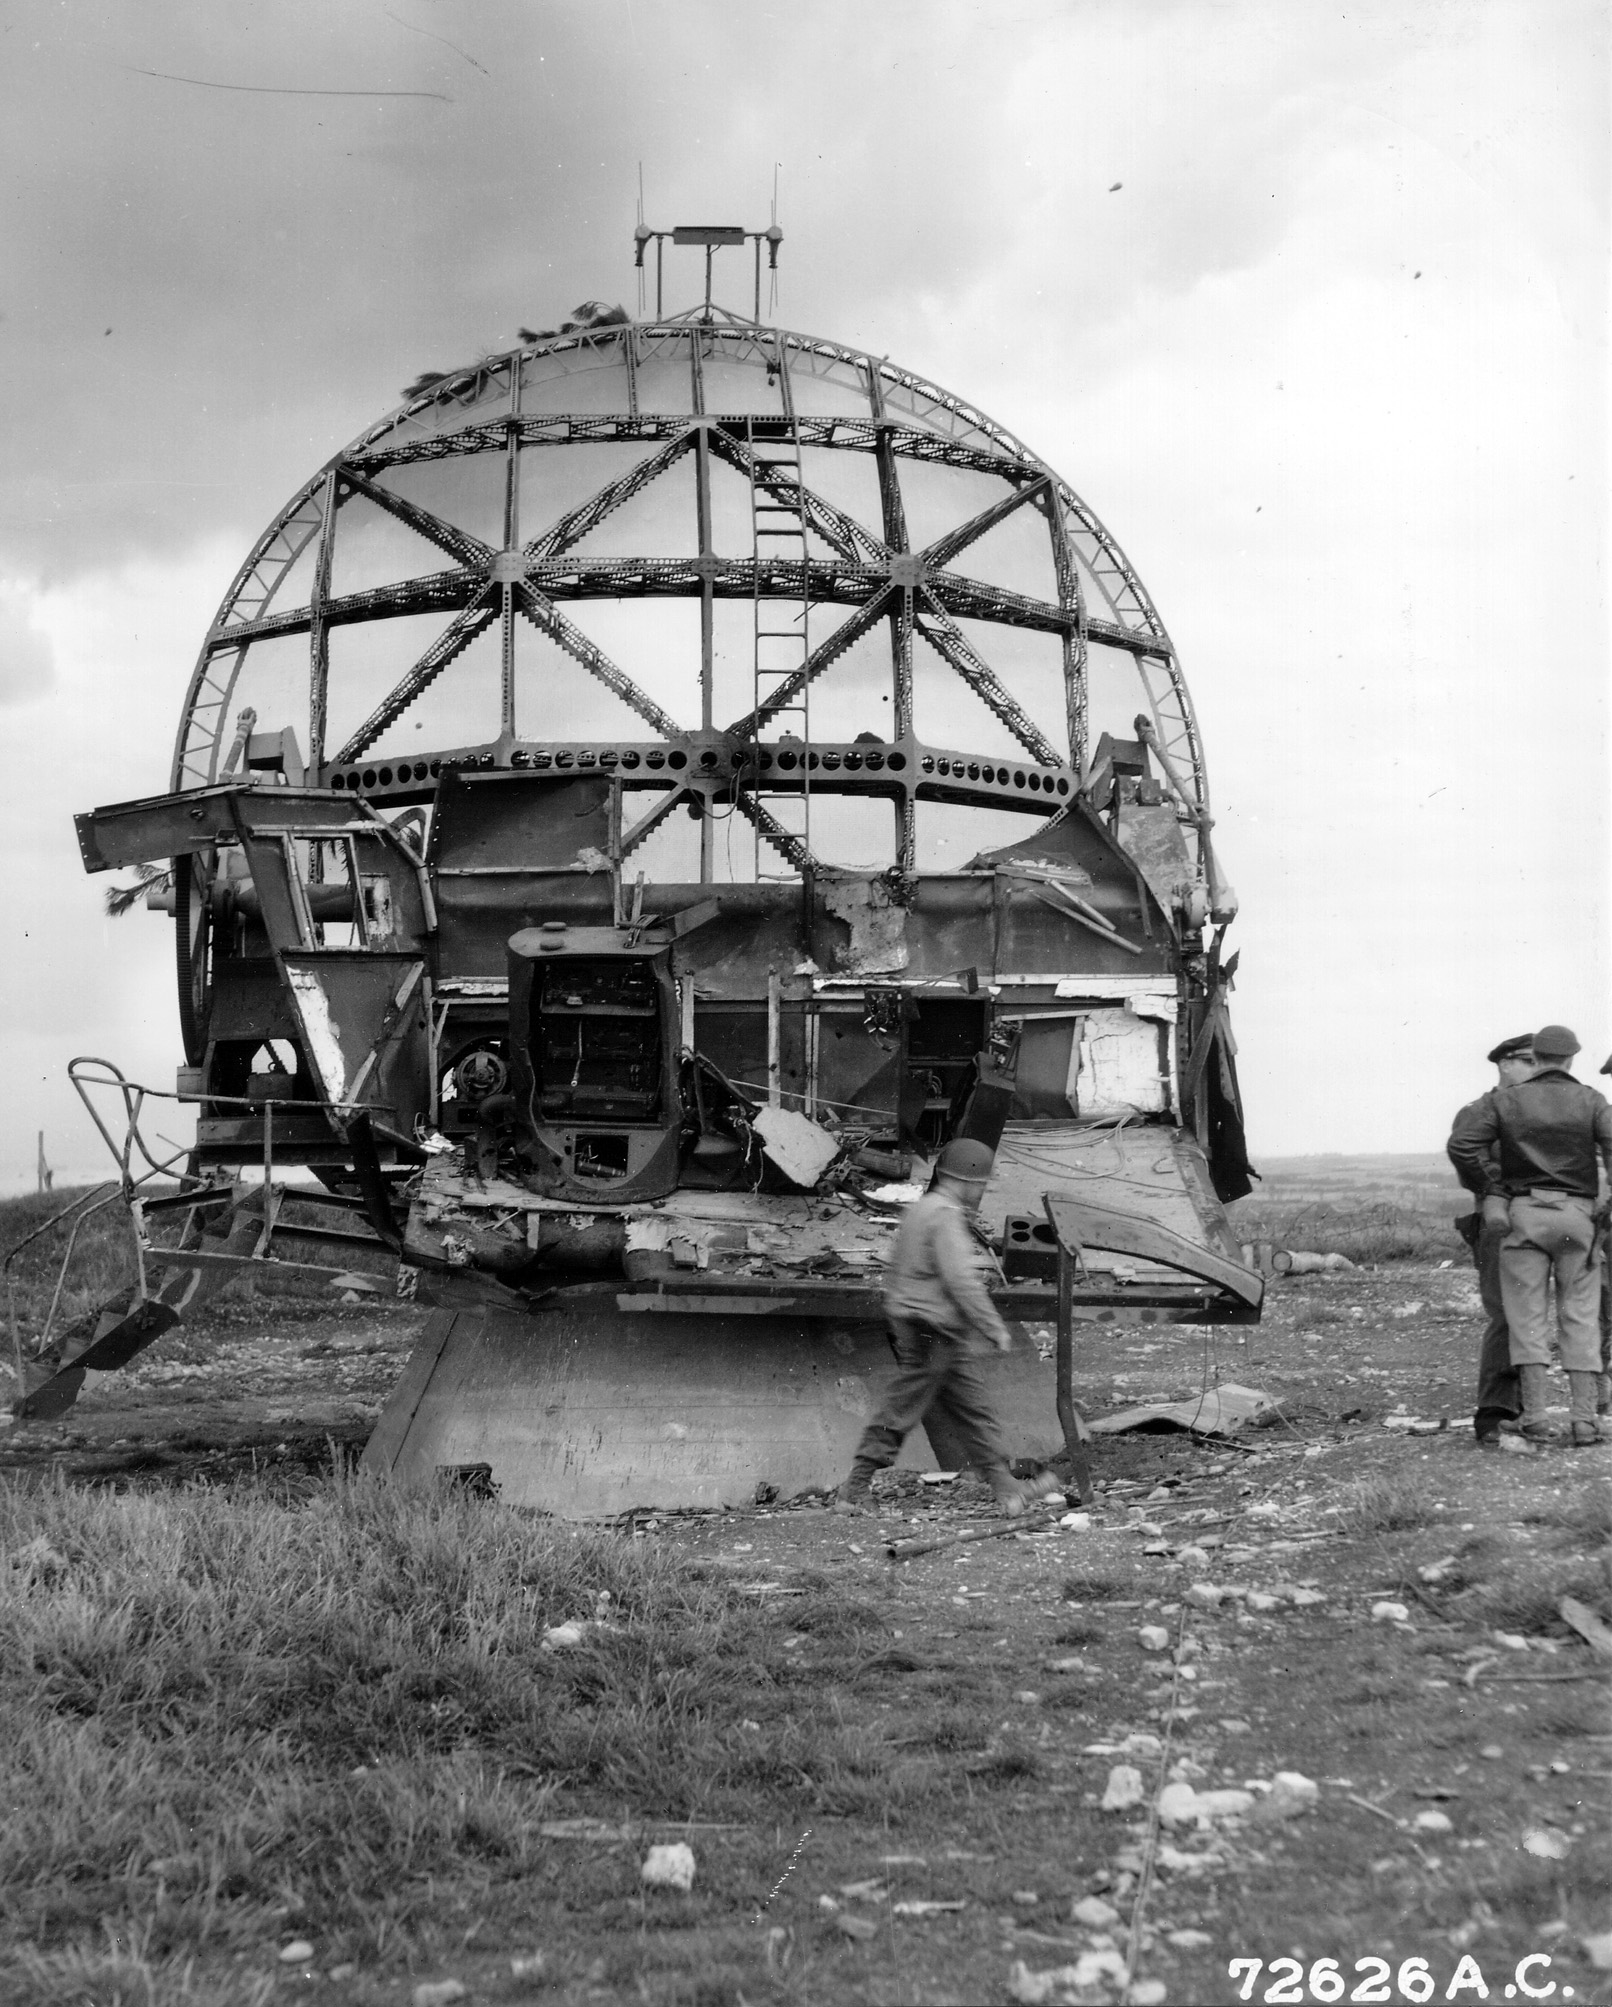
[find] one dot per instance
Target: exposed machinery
(634, 804)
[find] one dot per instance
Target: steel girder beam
(212, 683)
(1073, 601)
(319, 630)
(547, 618)
(647, 824)
(827, 582)
(459, 544)
(951, 421)
(842, 533)
(950, 643)
(575, 524)
(939, 554)
(436, 592)
(476, 618)
(788, 846)
(893, 515)
(914, 418)
(848, 631)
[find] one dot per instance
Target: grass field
(246, 1712)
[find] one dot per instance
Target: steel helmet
(963, 1159)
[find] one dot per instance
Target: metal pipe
(774, 1037)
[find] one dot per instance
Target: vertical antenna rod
(711, 237)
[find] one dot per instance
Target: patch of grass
(1093, 1584)
(102, 1265)
(1524, 1596)
(1587, 1517)
(1385, 1505)
(1080, 1631)
(223, 1707)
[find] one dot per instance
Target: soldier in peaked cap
(1498, 1401)
(1551, 1135)
(940, 1317)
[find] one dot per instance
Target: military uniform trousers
(1552, 1239)
(934, 1371)
(1498, 1395)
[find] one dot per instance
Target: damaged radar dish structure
(635, 804)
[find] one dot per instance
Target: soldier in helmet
(1552, 1135)
(940, 1316)
(1498, 1401)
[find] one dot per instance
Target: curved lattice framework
(726, 400)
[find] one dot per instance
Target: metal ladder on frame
(778, 531)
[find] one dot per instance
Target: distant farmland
(1385, 1208)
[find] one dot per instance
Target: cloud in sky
(27, 661)
(1329, 363)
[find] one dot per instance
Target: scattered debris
(1066, 1985)
(526, 1965)
(1218, 1411)
(439, 1993)
(1124, 1788)
(1588, 1625)
(1598, 1950)
(669, 1867)
(1547, 1846)
(561, 1637)
(297, 1952)
(1432, 1822)
(1181, 1805)
(1290, 1795)
(1153, 1638)
(797, 1145)
(861, 1928)
(1094, 1913)
(1389, 1613)
(920, 1908)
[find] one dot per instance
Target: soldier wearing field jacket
(1534, 1151)
(1498, 1400)
(941, 1319)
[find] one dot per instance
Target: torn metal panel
(800, 1149)
(878, 926)
(1086, 1222)
(362, 1026)
(1217, 1411)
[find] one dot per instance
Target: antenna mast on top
(712, 237)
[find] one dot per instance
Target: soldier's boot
(1535, 1383)
(1603, 1406)
(1582, 1389)
(856, 1493)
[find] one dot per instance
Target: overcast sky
(1329, 362)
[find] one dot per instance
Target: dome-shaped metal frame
(895, 416)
